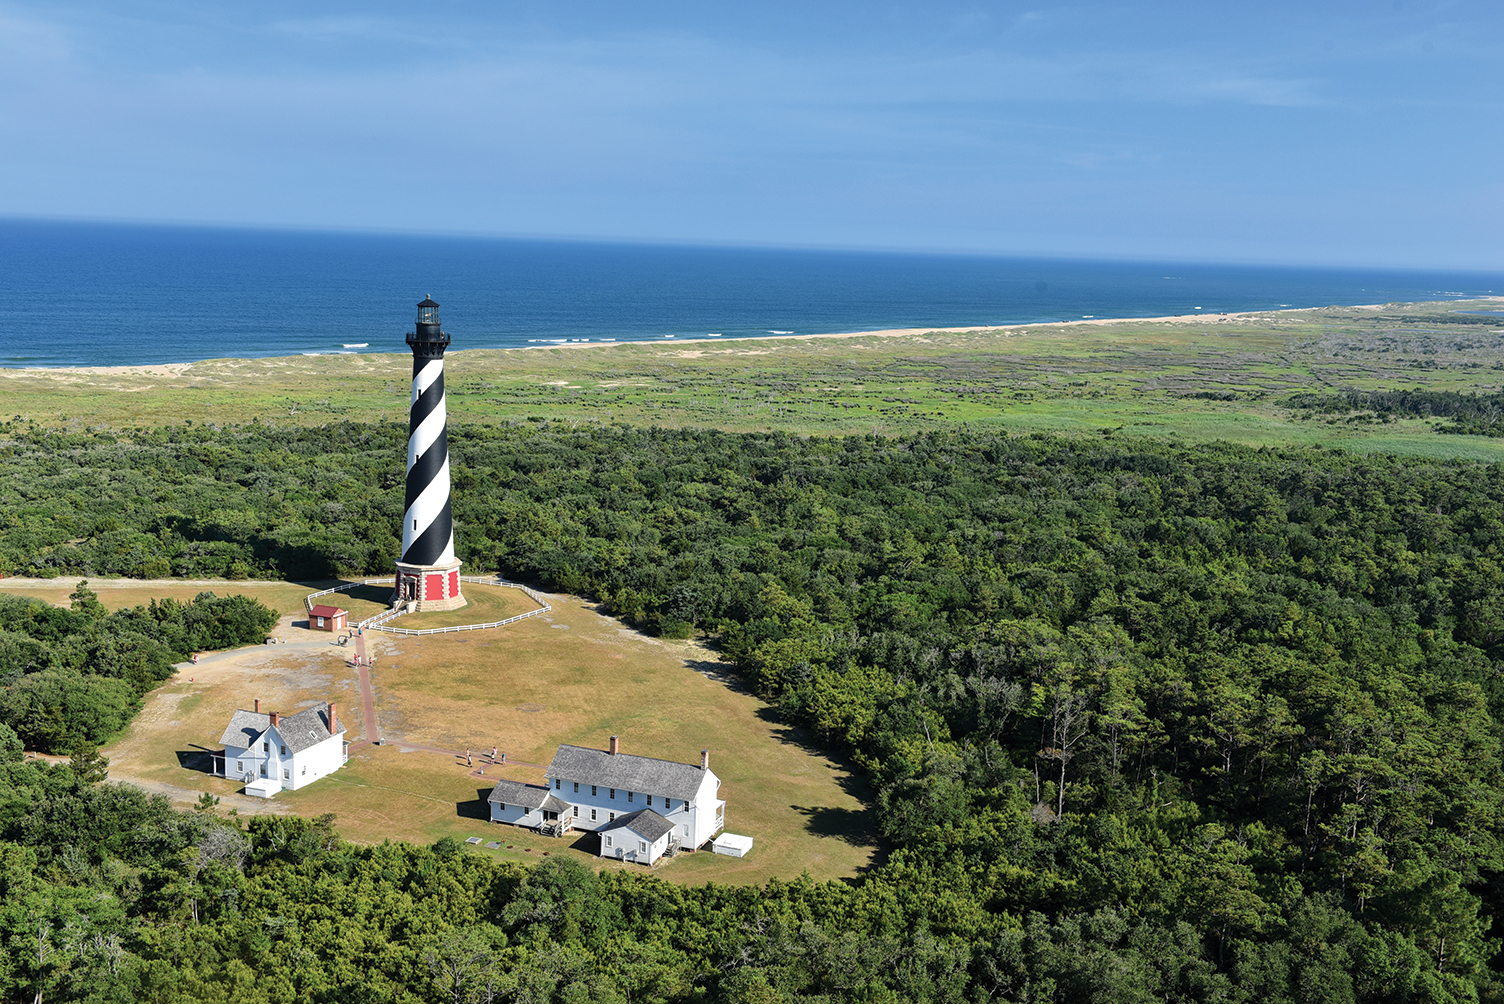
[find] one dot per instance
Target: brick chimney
(275, 719)
(704, 759)
(333, 719)
(258, 705)
(615, 745)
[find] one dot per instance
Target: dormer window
(266, 747)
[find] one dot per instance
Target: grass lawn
(576, 676)
(485, 605)
(571, 676)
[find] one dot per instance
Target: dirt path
(243, 803)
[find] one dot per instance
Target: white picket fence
(378, 622)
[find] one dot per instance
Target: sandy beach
(180, 369)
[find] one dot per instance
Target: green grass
(1069, 378)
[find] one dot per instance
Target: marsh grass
(1069, 378)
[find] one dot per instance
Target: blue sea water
(79, 294)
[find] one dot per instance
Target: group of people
(470, 761)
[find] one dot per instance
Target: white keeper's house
(643, 807)
(270, 752)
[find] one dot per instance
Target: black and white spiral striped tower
(427, 573)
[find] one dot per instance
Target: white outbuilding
(732, 844)
(269, 752)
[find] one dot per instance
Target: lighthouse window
(415, 524)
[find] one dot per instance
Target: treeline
(1470, 414)
(76, 676)
(1138, 701)
(108, 895)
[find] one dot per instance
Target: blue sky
(1336, 133)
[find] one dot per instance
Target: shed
(733, 844)
(326, 618)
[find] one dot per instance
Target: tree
(463, 967)
(12, 750)
(89, 764)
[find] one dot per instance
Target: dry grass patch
(571, 676)
(576, 676)
(486, 604)
(115, 594)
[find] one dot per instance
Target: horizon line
(722, 244)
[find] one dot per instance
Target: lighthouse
(428, 575)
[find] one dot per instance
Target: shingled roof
(529, 796)
(644, 822)
(300, 731)
(627, 772)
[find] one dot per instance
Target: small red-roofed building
(325, 618)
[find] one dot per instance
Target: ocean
(82, 294)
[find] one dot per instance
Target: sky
(1335, 133)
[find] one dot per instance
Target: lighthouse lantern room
(428, 574)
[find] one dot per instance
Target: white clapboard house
(664, 805)
(270, 751)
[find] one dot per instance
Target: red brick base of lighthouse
(429, 587)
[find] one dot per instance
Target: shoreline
(177, 369)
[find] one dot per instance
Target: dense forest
(1146, 721)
